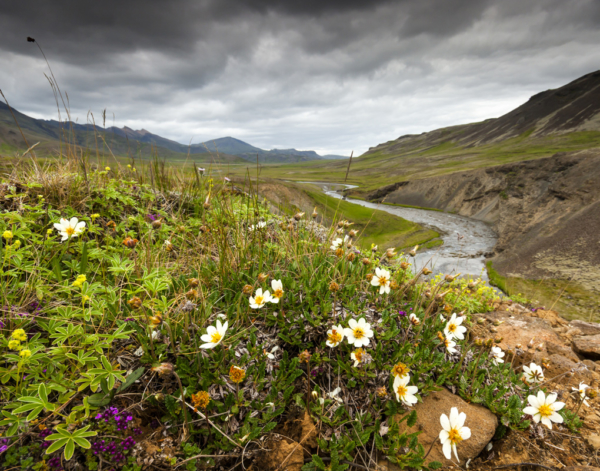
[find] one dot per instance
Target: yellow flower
(85, 298)
(49, 232)
(128, 166)
(107, 169)
(19, 334)
(133, 169)
(7, 235)
(236, 374)
(16, 244)
(14, 345)
(25, 353)
(79, 281)
(95, 216)
(201, 399)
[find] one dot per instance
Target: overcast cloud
(331, 76)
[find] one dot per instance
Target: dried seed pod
(164, 369)
(130, 243)
(334, 287)
(353, 233)
(262, 277)
(481, 320)
(390, 253)
(314, 213)
(427, 271)
(191, 294)
(339, 252)
(193, 282)
(351, 256)
(369, 277)
(135, 303)
(304, 356)
(498, 339)
(404, 265)
(413, 252)
(298, 216)
(366, 262)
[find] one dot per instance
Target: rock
(593, 441)
(586, 328)
(552, 316)
(588, 346)
(479, 419)
(560, 349)
(590, 364)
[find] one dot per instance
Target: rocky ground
(569, 353)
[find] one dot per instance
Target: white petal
(455, 452)
(541, 397)
(534, 401)
(207, 345)
(530, 410)
(551, 398)
(461, 419)
(447, 449)
(454, 417)
(352, 323)
(225, 327)
(558, 406)
(465, 433)
(546, 421)
(445, 422)
(375, 281)
(73, 222)
(556, 418)
(444, 435)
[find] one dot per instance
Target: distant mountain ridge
(125, 138)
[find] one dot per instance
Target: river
(466, 240)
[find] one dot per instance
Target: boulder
(588, 346)
(593, 440)
(561, 349)
(552, 316)
(586, 328)
(479, 419)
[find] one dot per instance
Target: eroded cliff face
(546, 212)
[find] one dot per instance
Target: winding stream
(466, 240)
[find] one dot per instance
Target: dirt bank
(546, 213)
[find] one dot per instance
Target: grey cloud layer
(331, 76)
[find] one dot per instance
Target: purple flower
(402, 313)
(151, 217)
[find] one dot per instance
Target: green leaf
(132, 378)
(57, 445)
(412, 419)
(318, 461)
(435, 465)
(83, 262)
(69, 450)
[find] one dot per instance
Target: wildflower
(16, 244)
(390, 253)
(352, 233)
(107, 169)
(545, 409)
(413, 252)
(304, 356)
(260, 299)
(262, 277)
(155, 321)
(191, 294)
(214, 335)
(79, 281)
(135, 303)
(358, 333)
(382, 392)
(414, 320)
(314, 395)
(404, 265)
(338, 243)
(314, 213)
(271, 355)
(404, 393)
(381, 279)
(156, 224)
(450, 345)
(112, 225)
(14, 345)
(357, 356)
(581, 391)
(164, 369)
(25, 353)
(201, 399)
(334, 287)
(298, 216)
(277, 287)
(497, 355)
(95, 216)
(193, 282)
(201, 170)
(351, 256)
(453, 431)
(236, 374)
(427, 271)
(168, 246)
(533, 373)
(69, 228)
(335, 335)
(366, 262)
(400, 370)
(335, 395)
(373, 248)
(19, 334)
(49, 232)
(227, 180)
(454, 329)
(247, 290)
(8, 235)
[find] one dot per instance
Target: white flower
(201, 170)
(337, 243)
(454, 329)
(544, 408)
(381, 279)
(405, 393)
(358, 333)
(277, 287)
(581, 391)
(335, 335)
(334, 395)
(453, 431)
(260, 225)
(260, 299)
(155, 334)
(533, 373)
(414, 320)
(356, 355)
(71, 228)
(450, 344)
(271, 355)
(497, 355)
(214, 335)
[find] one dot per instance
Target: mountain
(126, 141)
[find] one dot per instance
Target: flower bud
(540, 347)
(353, 233)
(191, 294)
(478, 342)
(390, 253)
(369, 277)
(168, 246)
(334, 287)
(413, 252)
(262, 277)
(135, 303)
(404, 265)
(427, 271)
(112, 225)
(498, 339)
(298, 216)
(315, 395)
(304, 356)
(366, 262)
(314, 213)
(382, 392)
(351, 256)
(247, 290)
(394, 285)
(497, 323)
(373, 248)
(193, 282)
(290, 227)
(489, 343)
(481, 320)
(519, 346)
(130, 243)
(592, 393)
(164, 369)
(339, 252)
(450, 278)
(156, 224)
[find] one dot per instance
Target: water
(466, 240)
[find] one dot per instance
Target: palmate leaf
(67, 439)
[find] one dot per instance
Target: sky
(331, 76)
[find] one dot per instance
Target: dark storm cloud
(329, 75)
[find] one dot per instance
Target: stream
(466, 240)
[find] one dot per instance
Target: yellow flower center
(359, 333)
(452, 327)
(454, 436)
(400, 370)
(334, 336)
(383, 280)
(545, 410)
(278, 294)
(70, 230)
(216, 337)
(401, 390)
(258, 300)
(358, 355)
